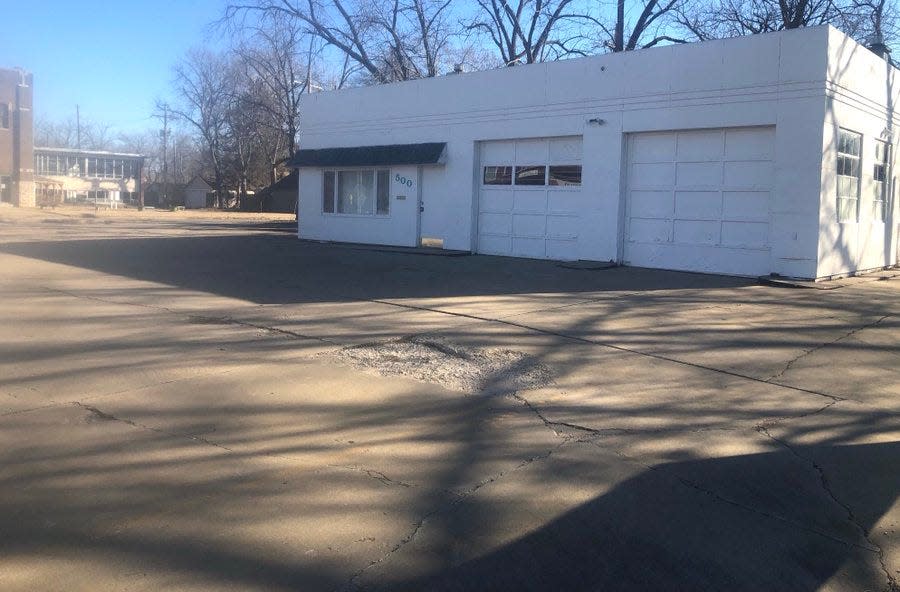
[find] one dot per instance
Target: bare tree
(651, 27)
(204, 86)
(65, 134)
(732, 18)
(872, 22)
(278, 57)
(388, 39)
(55, 134)
(867, 21)
(529, 31)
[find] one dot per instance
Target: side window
(357, 192)
(849, 151)
(881, 176)
(383, 205)
(4, 115)
(328, 193)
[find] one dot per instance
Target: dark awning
(394, 154)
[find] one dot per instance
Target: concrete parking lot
(203, 402)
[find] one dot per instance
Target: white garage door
(530, 198)
(700, 200)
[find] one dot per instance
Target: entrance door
(431, 225)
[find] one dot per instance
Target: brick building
(32, 176)
(16, 138)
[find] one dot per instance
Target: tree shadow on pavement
(736, 523)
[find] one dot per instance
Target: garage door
(700, 200)
(530, 198)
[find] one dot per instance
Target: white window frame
(857, 158)
(336, 185)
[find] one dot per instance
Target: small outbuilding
(280, 196)
(197, 193)
(767, 154)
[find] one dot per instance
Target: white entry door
(700, 200)
(530, 199)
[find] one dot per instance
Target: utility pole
(164, 133)
(78, 127)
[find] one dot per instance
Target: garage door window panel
(531, 175)
(848, 175)
(565, 175)
(497, 175)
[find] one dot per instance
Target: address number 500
(403, 180)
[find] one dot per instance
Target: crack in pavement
(823, 345)
(106, 300)
(723, 499)
(101, 415)
(613, 346)
(229, 320)
(595, 433)
(461, 496)
(554, 425)
(141, 387)
(377, 475)
(226, 320)
(892, 584)
(785, 418)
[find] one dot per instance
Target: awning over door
(389, 155)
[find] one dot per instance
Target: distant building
(16, 137)
(79, 176)
(194, 194)
(155, 196)
(198, 194)
(280, 196)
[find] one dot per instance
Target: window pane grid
(848, 175)
(568, 175)
(497, 175)
(356, 192)
(531, 175)
(881, 176)
(565, 175)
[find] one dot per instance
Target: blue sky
(113, 59)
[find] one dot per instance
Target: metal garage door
(700, 200)
(530, 198)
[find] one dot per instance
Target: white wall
(861, 88)
(775, 79)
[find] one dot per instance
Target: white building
(747, 156)
(196, 193)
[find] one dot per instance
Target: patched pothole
(452, 366)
